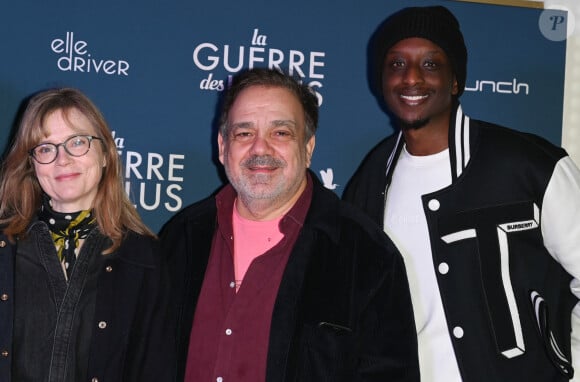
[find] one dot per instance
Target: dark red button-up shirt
(230, 332)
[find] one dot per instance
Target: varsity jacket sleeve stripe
(560, 225)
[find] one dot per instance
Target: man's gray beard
(245, 185)
(415, 125)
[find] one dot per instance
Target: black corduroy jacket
(343, 310)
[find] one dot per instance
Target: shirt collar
(226, 197)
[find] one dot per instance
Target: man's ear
(310, 149)
(454, 87)
(221, 143)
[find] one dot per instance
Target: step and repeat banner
(156, 70)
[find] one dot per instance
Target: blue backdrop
(156, 69)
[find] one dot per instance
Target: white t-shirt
(405, 223)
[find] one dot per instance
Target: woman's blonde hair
(20, 191)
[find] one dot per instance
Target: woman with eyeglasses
(87, 294)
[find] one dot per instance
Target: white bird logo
(328, 179)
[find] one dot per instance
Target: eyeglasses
(76, 146)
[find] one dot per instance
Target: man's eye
(430, 65)
(282, 135)
(396, 64)
(242, 135)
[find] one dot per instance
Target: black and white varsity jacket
(508, 227)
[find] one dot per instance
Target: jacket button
(3, 297)
(443, 268)
(102, 325)
(2, 244)
(458, 332)
(95, 379)
(109, 268)
(434, 204)
(4, 353)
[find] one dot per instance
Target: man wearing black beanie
(486, 217)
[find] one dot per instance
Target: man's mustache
(263, 161)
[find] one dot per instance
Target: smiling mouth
(259, 168)
(414, 98)
(67, 176)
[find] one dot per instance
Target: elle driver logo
(75, 57)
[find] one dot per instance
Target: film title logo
(76, 58)
(152, 180)
(208, 57)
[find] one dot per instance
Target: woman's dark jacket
(131, 299)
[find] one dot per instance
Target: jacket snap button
(434, 204)
(102, 325)
(4, 353)
(2, 244)
(109, 268)
(4, 297)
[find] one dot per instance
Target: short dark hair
(271, 78)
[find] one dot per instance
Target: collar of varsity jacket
(461, 143)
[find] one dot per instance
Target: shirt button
(228, 332)
(434, 204)
(109, 268)
(102, 325)
(443, 268)
(4, 353)
(2, 244)
(458, 332)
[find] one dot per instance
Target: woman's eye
(44, 149)
(77, 142)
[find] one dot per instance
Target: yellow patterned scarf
(66, 230)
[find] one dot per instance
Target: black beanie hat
(435, 23)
